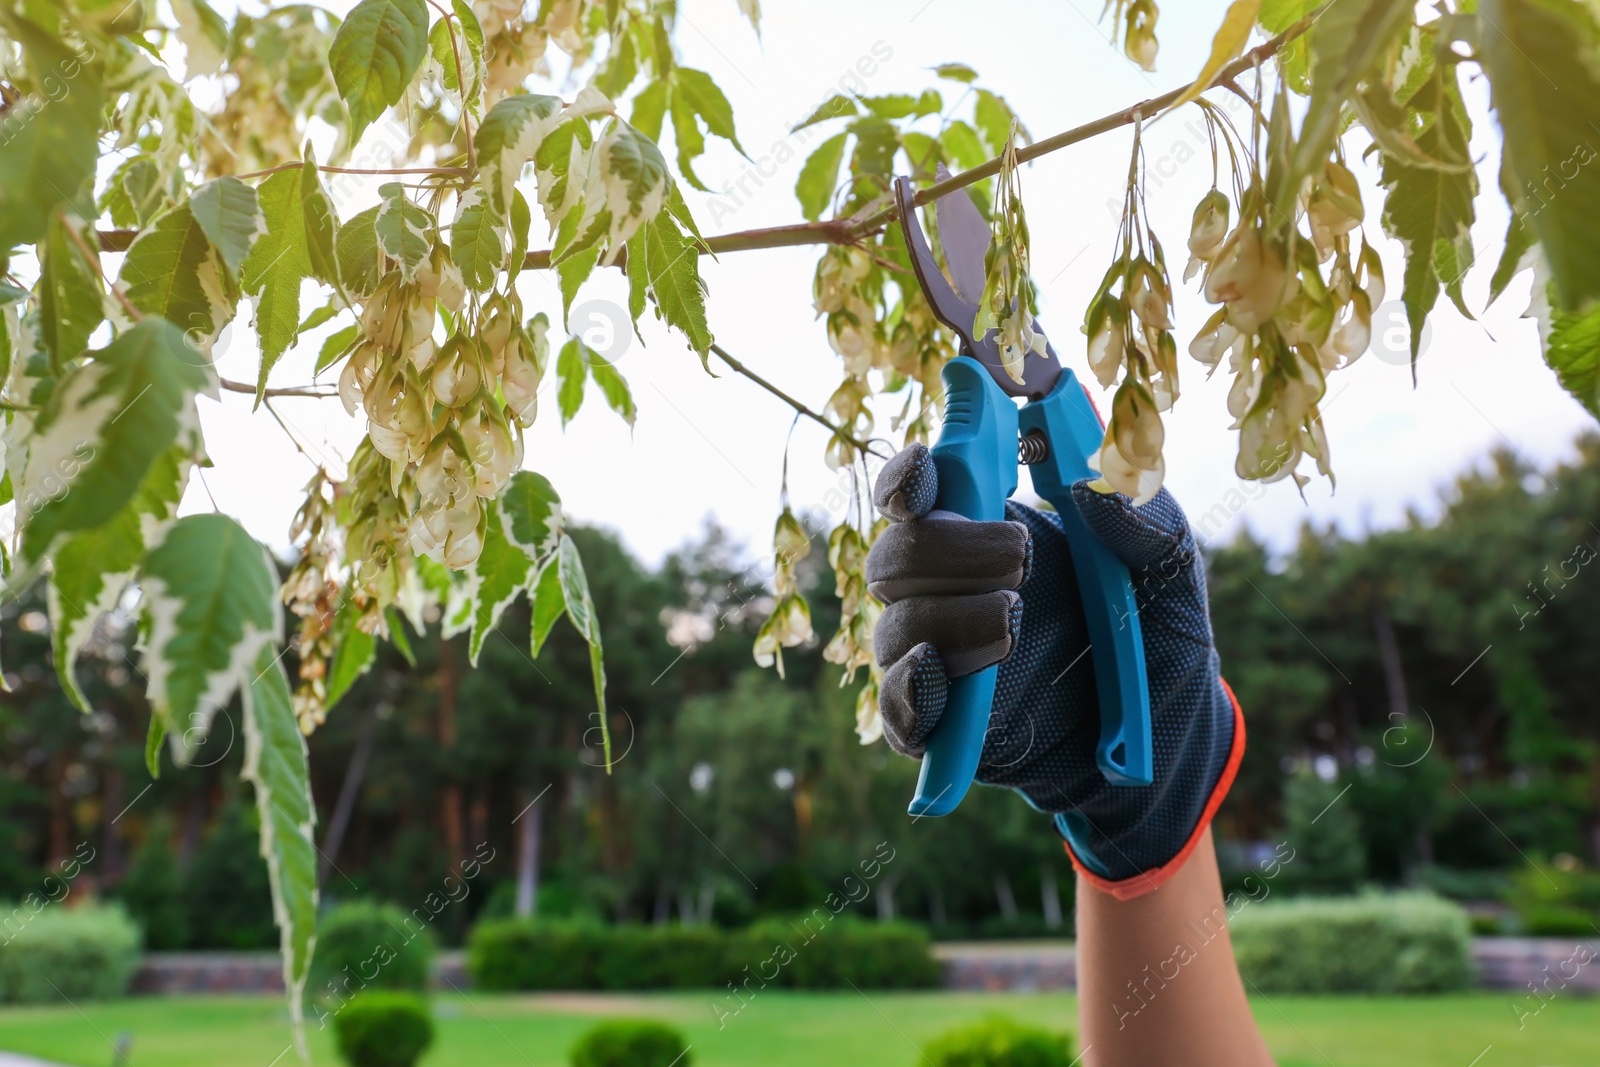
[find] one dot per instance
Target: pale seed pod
(456, 376)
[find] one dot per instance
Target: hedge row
(48, 951)
(810, 952)
(1388, 943)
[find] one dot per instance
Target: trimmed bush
(1375, 943)
(384, 1029)
(364, 945)
(631, 1043)
(810, 952)
(1000, 1042)
(82, 953)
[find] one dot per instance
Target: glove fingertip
(912, 697)
(1139, 535)
(908, 484)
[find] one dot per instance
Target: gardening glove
(962, 595)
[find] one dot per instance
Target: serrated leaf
(891, 105)
(1519, 242)
(354, 651)
(574, 271)
(360, 259)
(580, 609)
(172, 270)
(613, 386)
(1546, 92)
(993, 117)
(571, 372)
(70, 294)
(1572, 349)
(229, 215)
(90, 569)
(637, 267)
(52, 145)
(507, 139)
(1226, 46)
(672, 265)
(277, 764)
(403, 230)
(321, 225)
(836, 106)
(105, 424)
(700, 92)
(691, 143)
(1429, 210)
(374, 54)
(548, 604)
(276, 266)
(956, 72)
(477, 241)
(649, 107)
(521, 221)
(501, 571)
(819, 176)
(210, 605)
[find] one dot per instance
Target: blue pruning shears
(976, 457)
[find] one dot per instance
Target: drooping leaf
(1546, 93)
(230, 216)
(277, 265)
(1226, 46)
(691, 142)
(636, 179)
(672, 267)
(501, 571)
(51, 145)
(649, 107)
(172, 270)
(91, 568)
(356, 247)
(613, 386)
(354, 651)
(574, 271)
(477, 241)
(154, 735)
(580, 609)
(333, 349)
(404, 230)
(507, 139)
(467, 41)
(700, 92)
(70, 293)
(956, 72)
(560, 168)
(571, 373)
(548, 604)
(1519, 242)
(277, 764)
(210, 605)
(836, 106)
(378, 48)
(819, 177)
(521, 222)
(531, 512)
(321, 224)
(1430, 210)
(105, 424)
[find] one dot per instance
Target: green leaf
(1572, 349)
(521, 220)
(1430, 210)
(378, 48)
(1519, 241)
(90, 569)
(696, 88)
(956, 72)
(321, 224)
(153, 736)
(106, 422)
(477, 241)
(961, 142)
(468, 40)
(993, 116)
(531, 512)
(354, 651)
(574, 271)
(691, 143)
(501, 571)
(1546, 93)
(571, 372)
(891, 105)
(70, 293)
(397, 636)
(548, 604)
(50, 151)
(558, 153)
(230, 216)
(277, 764)
(835, 107)
(649, 107)
(403, 230)
(580, 609)
(360, 261)
(672, 266)
(637, 267)
(507, 139)
(318, 317)
(277, 265)
(635, 175)
(819, 177)
(210, 605)
(333, 349)
(613, 386)
(172, 270)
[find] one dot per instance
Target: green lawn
(800, 1030)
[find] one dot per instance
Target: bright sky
(713, 446)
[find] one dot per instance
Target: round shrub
(1000, 1042)
(631, 1043)
(363, 945)
(50, 950)
(383, 1029)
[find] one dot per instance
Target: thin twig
(800, 408)
(461, 81)
(94, 261)
(291, 390)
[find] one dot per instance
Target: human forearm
(1157, 981)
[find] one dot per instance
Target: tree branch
(292, 390)
(740, 368)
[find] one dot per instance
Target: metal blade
(965, 237)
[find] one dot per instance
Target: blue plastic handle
(976, 458)
(1116, 645)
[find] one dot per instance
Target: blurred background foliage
(1421, 708)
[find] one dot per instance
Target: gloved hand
(962, 595)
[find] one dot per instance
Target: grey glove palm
(962, 595)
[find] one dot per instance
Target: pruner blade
(965, 237)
